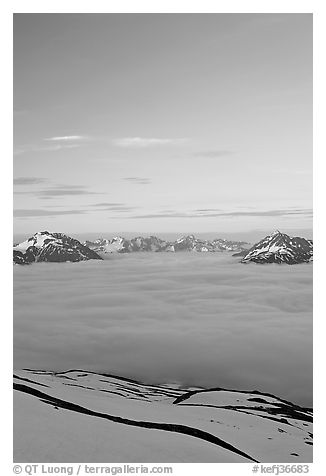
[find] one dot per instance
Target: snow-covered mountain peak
(280, 248)
(38, 240)
(117, 239)
(55, 247)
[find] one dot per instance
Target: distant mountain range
(57, 247)
(280, 248)
(152, 243)
(54, 247)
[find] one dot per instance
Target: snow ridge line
(176, 428)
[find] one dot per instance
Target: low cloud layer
(200, 319)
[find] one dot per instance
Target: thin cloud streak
(54, 148)
(106, 204)
(63, 192)
(59, 191)
(48, 148)
(115, 207)
(22, 212)
(214, 153)
(19, 151)
(28, 180)
(138, 180)
(121, 208)
(144, 142)
(67, 190)
(65, 138)
(262, 213)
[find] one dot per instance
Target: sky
(161, 123)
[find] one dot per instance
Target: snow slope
(81, 416)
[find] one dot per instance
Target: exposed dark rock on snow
(224, 425)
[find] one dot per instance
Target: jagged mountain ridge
(57, 247)
(52, 247)
(280, 248)
(152, 243)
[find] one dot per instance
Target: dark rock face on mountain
(186, 243)
(27, 257)
(241, 253)
(52, 247)
(280, 248)
(152, 243)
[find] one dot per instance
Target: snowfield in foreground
(81, 416)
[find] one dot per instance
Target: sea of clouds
(198, 319)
